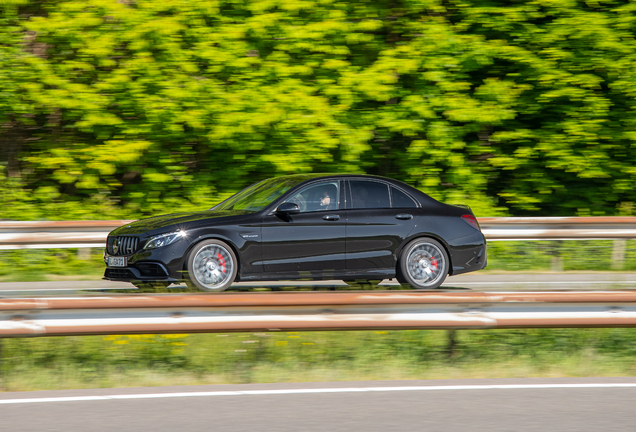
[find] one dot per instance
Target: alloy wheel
(426, 264)
(212, 267)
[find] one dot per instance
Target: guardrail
(558, 228)
(56, 234)
(89, 234)
(229, 312)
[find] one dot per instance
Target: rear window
(369, 194)
(401, 200)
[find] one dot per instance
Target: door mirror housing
(288, 208)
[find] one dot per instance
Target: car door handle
(404, 216)
(331, 217)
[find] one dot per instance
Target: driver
(325, 201)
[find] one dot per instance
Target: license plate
(117, 262)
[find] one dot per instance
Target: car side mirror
(288, 208)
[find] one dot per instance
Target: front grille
(121, 245)
(119, 273)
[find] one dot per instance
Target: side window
(369, 194)
(401, 200)
(318, 197)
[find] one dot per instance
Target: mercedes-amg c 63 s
(310, 226)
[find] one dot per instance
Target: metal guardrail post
(556, 264)
(452, 343)
(84, 254)
(1, 364)
(618, 254)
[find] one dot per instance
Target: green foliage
(31, 265)
(120, 361)
(129, 108)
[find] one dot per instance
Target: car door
(312, 240)
(375, 227)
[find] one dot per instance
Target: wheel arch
(420, 235)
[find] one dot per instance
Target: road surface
(474, 281)
(515, 405)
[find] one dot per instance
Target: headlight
(163, 240)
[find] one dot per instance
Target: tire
(212, 266)
(423, 264)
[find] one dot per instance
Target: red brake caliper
(433, 263)
(222, 262)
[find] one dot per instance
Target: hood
(179, 221)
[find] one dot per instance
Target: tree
(135, 107)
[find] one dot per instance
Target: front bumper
(147, 272)
(162, 264)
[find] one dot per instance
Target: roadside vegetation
(30, 265)
(120, 109)
(160, 360)
(126, 109)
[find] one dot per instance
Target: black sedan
(319, 226)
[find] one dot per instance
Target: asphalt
(474, 281)
(515, 405)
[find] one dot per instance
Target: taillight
(472, 221)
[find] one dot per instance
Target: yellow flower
(174, 336)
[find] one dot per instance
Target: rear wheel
(423, 264)
(212, 266)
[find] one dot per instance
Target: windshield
(259, 195)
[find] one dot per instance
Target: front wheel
(424, 264)
(212, 266)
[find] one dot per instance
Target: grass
(160, 360)
(570, 255)
(32, 265)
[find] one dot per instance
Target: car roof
(312, 176)
(304, 178)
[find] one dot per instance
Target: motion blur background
(122, 109)
(130, 108)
